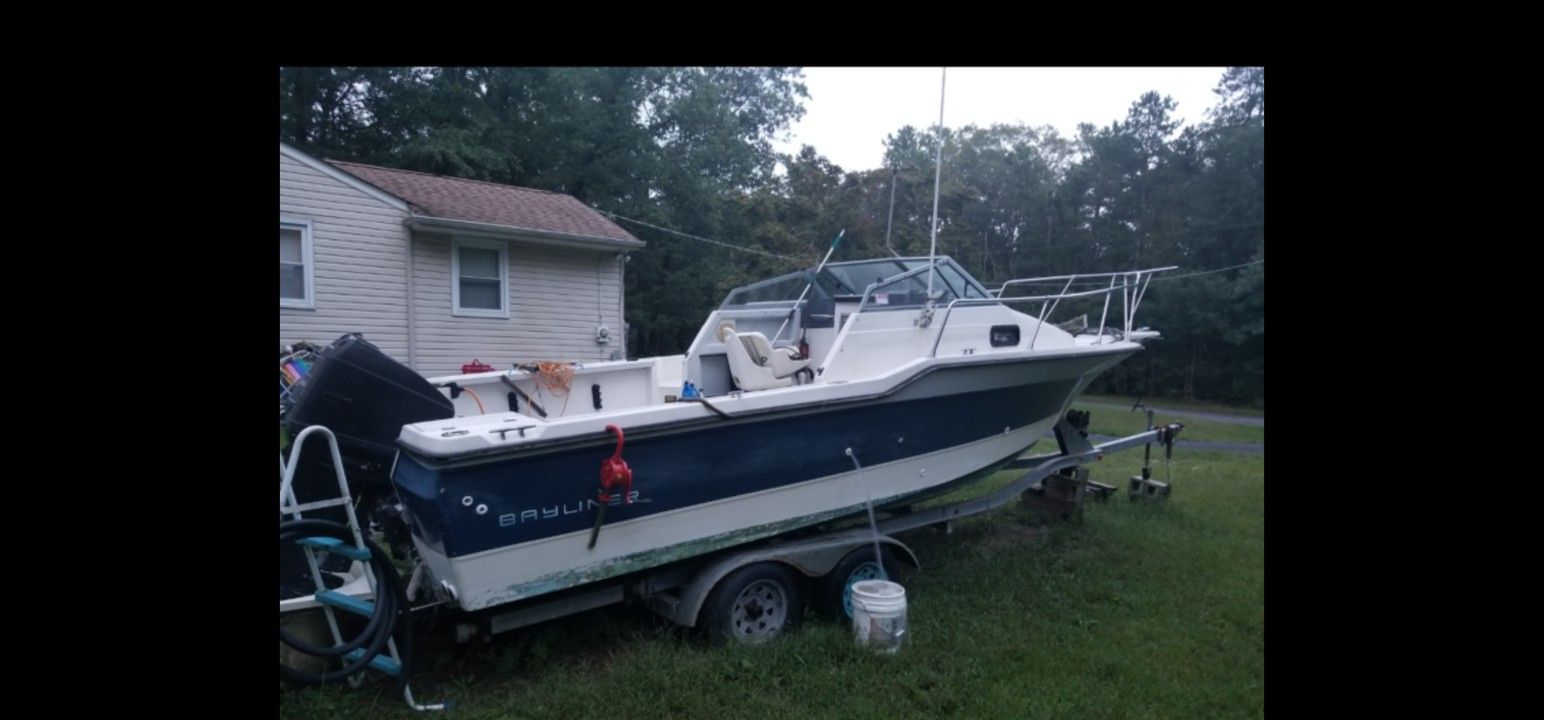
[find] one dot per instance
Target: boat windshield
(780, 291)
(848, 281)
(851, 279)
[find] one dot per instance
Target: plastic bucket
(879, 615)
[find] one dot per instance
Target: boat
(803, 399)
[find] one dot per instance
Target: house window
(295, 284)
(480, 278)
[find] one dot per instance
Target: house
(437, 271)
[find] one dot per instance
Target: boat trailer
(1055, 481)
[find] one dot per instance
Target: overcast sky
(850, 111)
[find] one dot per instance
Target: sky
(850, 111)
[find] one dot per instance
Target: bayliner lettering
(551, 511)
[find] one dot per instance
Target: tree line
(690, 149)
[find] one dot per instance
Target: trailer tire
(835, 594)
(754, 604)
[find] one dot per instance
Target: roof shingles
(453, 198)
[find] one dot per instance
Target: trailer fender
(814, 557)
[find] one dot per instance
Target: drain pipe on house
(412, 314)
(622, 260)
(602, 333)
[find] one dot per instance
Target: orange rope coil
(555, 377)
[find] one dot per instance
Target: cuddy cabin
(772, 342)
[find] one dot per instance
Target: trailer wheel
(836, 587)
(754, 604)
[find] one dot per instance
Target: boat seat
(755, 364)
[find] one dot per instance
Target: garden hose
(390, 608)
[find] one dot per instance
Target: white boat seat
(755, 364)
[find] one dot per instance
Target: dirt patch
(1002, 532)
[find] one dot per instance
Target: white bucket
(879, 615)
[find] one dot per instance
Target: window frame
(455, 278)
(307, 256)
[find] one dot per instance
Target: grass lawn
(1139, 611)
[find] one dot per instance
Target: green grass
(1139, 611)
(1121, 422)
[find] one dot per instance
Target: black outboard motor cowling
(364, 397)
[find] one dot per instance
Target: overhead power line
(1194, 230)
(1261, 261)
(741, 248)
(1073, 240)
(758, 251)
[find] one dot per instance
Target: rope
(555, 377)
(707, 405)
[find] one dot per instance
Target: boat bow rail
(1133, 287)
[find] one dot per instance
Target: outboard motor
(364, 397)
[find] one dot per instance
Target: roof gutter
(511, 232)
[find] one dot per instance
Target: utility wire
(694, 237)
(785, 257)
(1261, 261)
(1189, 231)
(1071, 240)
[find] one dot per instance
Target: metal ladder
(330, 601)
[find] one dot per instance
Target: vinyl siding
(552, 308)
(360, 271)
(359, 255)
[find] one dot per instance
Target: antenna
(807, 286)
(938, 170)
(891, 220)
